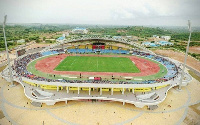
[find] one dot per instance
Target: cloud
(128, 12)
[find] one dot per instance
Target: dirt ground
(3, 57)
(180, 57)
(36, 45)
(193, 115)
(194, 49)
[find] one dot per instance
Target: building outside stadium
(94, 68)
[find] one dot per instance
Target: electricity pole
(10, 70)
(186, 53)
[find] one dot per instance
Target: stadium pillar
(186, 53)
(123, 91)
(78, 91)
(67, 89)
(57, 88)
(100, 91)
(89, 90)
(111, 91)
(10, 70)
(123, 103)
(133, 90)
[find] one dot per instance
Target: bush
(2, 49)
(194, 43)
(38, 41)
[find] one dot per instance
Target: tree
(27, 40)
(37, 40)
(44, 38)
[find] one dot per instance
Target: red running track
(48, 65)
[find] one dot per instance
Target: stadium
(96, 69)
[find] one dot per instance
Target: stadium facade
(139, 92)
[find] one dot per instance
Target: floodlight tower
(10, 70)
(186, 53)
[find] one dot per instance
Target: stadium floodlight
(186, 53)
(8, 59)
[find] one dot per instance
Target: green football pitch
(97, 64)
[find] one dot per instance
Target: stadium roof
(61, 38)
(165, 43)
(150, 44)
(77, 28)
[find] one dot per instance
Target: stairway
(36, 104)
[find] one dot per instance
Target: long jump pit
(146, 67)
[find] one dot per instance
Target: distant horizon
(95, 24)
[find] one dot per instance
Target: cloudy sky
(115, 12)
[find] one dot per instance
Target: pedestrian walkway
(19, 110)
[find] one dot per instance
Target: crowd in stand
(20, 64)
(59, 50)
(21, 70)
(173, 70)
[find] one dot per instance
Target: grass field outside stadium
(97, 64)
